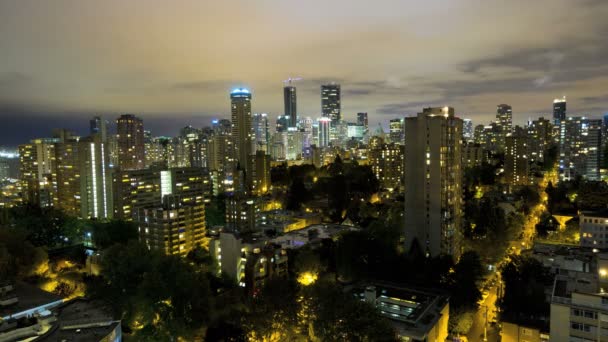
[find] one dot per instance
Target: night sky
(174, 62)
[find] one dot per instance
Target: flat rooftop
(29, 296)
(81, 320)
(426, 306)
(603, 213)
(579, 282)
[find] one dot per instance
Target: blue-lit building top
(240, 92)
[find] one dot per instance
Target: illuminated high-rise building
(330, 102)
(593, 150)
(172, 228)
(242, 133)
(517, 161)
(84, 179)
(432, 180)
(504, 123)
(324, 131)
(396, 131)
(467, 130)
(68, 176)
(473, 155)
(386, 161)
(572, 147)
(559, 111)
(96, 199)
(362, 120)
(99, 126)
(260, 130)
(293, 144)
(134, 189)
(261, 176)
(290, 99)
(38, 172)
(130, 141)
(540, 134)
(307, 128)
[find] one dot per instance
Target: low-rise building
(249, 259)
(416, 315)
(173, 228)
(513, 332)
(594, 229)
(579, 310)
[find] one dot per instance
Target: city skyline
(53, 74)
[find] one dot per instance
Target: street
(476, 332)
(515, 247)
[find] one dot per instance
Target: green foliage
(274, 310)
(467, 272)
(337, 316)
(18, 257)
(550, 158)
(166, 294)
(42, 226)
(108, 233)
(484, 174)
(297, 195)
(525, 280)
(215, 211)
(529, 197)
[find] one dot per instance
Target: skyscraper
(467, 130)
(330, 102)
(504, 123)
(130, 140)
(540, 132)
(593, 149)
(289, 96)
(517, 167)
(99, 126)
(38, 172)
(172, 228)
(260, 131)
(324, 128)
(559, 111)
(84, 180)
(432, 180)
(396, 131)
(242, 134)
(95, 179)
(386, 161)
(362, 120)
(572, 142)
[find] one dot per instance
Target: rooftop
(82, 320)
(30, 297)
(575, 282)
(420, 309)
(597, 213)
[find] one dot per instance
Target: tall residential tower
(432, 179)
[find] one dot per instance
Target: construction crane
(292, 79)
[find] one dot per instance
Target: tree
(18, 257)
(272, 314)
(525, 281)
(108, 233)
(215, 211)
(297, 195)
(43, 226)
(164, 295)
(337, 316)
(467, 272)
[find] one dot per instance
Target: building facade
(130, 141)
(432, 178)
